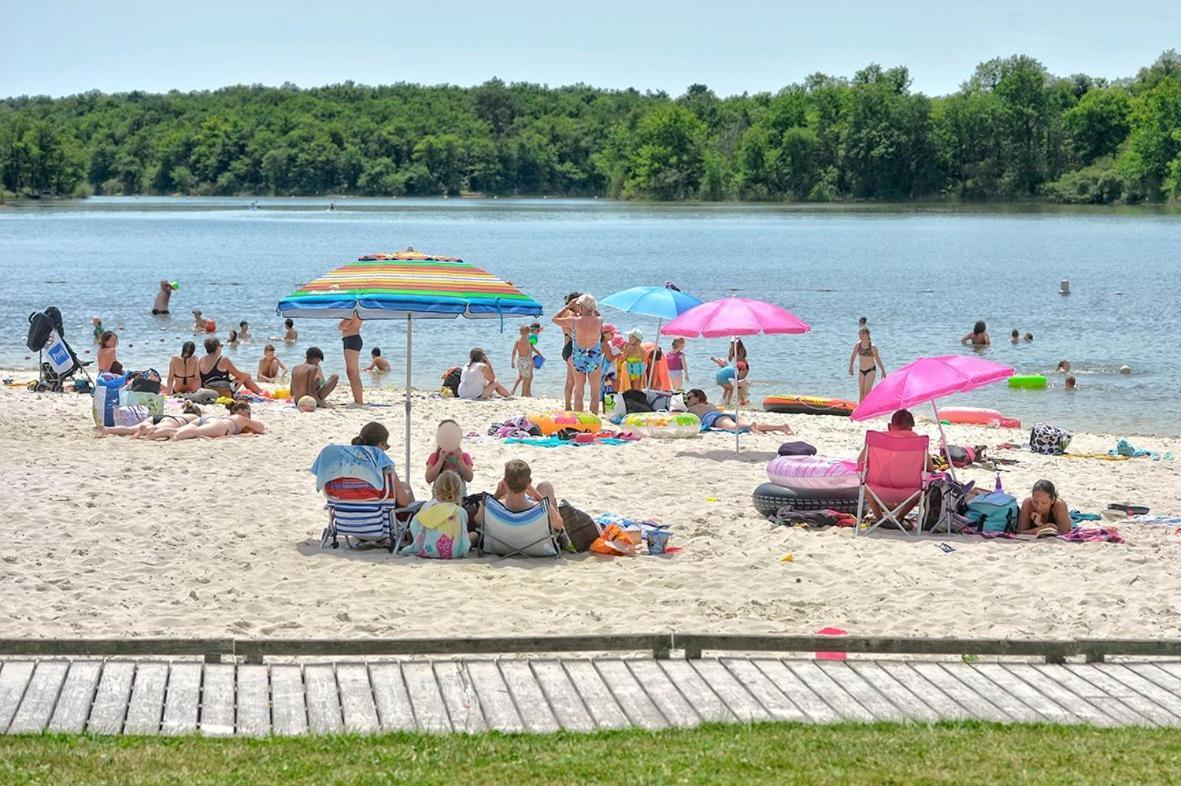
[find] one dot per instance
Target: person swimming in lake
(1015, 336)
(1043, 512)
(160, 306)
(198, 321)
(377, 364)
(182, 371)
(269, 366)
(865, 352)
(582, 321)
(244, 332)
(1071, 382)
(978, 336)
(290, 335)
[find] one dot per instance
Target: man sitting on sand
(517, 493)
(714, 418)
(307, 379)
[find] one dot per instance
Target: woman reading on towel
(1043, 512)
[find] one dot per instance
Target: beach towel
(364, 462)
(1125, 449)
(1077, 516)
(1093, 535)
(438, 531)
(1167, 521)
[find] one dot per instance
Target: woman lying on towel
(361, 470)
(238, 421)
(158, 428)
(713, 419)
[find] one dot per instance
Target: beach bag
(636, 401)
(994, 513)
(131, 415)
(153, 401)
(451, 381)
(106, 398)
(796, 449)
(1048, 440)
(580, 528)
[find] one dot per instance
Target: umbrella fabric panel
(735, 316)
(927, 379)
(659, 302)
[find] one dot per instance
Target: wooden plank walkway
(514, 694)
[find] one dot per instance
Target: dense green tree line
(1012, 131)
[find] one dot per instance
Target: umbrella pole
(652, 365)
(943, 442)
(737, 395)
(409, 356)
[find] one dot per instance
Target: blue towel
(365, 462)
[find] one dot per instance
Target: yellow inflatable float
(553, 422)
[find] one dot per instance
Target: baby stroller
(56, 361)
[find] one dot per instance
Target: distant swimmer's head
(289, 323)
(862, 321)
(314, 355)
(1071, 382)
(187, 349)
(1015, 334)
(1029, 337)
(1125, 369)
(979, 327)
(244, 325)
(1064, 366)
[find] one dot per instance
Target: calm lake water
(922, 276)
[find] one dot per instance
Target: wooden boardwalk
(515, 694)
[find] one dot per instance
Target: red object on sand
(831, 655)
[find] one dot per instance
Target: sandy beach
(118, 537)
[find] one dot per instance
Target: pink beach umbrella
(735, 316)
(926, 380)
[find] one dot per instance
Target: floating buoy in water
(1064, 287)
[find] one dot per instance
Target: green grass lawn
(766, 753)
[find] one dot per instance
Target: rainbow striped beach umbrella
(408, 285)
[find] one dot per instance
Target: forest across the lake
(1012, 132)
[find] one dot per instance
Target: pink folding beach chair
(894, 474)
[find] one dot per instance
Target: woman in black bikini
(218, 374)
(568, 353)
(870, 362)
(182, 371)
(350, 331)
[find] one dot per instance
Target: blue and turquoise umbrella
(664, 303)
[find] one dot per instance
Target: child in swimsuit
(270, 365)
(678, 369)
(635, 360)
(522, 360)
(869, 362)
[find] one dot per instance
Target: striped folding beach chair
(525, 533)
(359, 520)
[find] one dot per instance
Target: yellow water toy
(553, 422)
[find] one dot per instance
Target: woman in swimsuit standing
(350, 331)
(582, 320)
(214, 426)
(182, 371)
(568, 350)
(869, 364)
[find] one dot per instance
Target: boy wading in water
(522, 360)
(582, 320)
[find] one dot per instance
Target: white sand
(113, 537)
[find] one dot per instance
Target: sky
(61, 47)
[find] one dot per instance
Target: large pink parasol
(734, 316)
(927, 379)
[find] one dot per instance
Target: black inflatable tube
(769, 498)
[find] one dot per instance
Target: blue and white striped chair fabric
(525, 533)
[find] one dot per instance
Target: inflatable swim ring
(1028, 381)
(977, 416)
(770, 497)
(809, 405)
(553, 422)
(812, 472)
(663, 425)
